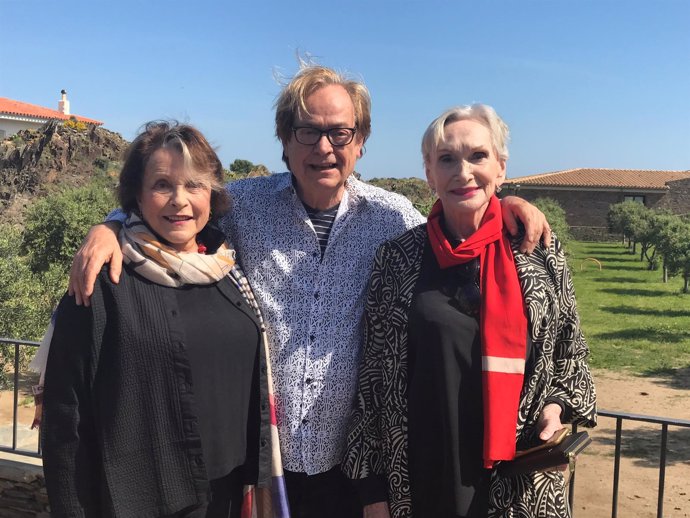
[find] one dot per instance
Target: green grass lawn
(632, 320)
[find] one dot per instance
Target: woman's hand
(549, 421)
(100, 246)
(377, 510)
(532, 218)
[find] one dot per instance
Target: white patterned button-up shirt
(313, 307)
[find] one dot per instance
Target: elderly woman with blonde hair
(472, 349)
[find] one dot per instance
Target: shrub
(241, 167)
(26, 299)
(57, 224)
(414, 189)
(555, 215)
(75, 124)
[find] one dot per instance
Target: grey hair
(481, 113)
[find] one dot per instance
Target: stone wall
(596, 234)
(22, 488)
(678, 198)
(584, 208)
(586, 211)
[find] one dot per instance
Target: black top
(120, 431)
(445, 393)
(222, 342)
(446, 418)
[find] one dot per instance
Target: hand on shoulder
(100, 246)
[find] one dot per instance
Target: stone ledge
(21, 459)
(18, 471)
(22, 487)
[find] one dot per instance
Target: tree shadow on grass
(673, 378)
(652, 335)
(629, 280)
(611, 254)
(634, 292)
(624, 268)
(632, 310)
(643, 445)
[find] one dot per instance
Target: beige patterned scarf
(160, 263)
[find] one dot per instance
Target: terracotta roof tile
(585, 177)
(12, 107)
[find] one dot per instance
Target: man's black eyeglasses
(336, 136)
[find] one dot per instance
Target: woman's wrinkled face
(465, 170)
(173, 201)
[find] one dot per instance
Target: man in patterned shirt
(306, 240)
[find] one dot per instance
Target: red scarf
(503, 323)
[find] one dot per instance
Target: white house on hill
(16, 115)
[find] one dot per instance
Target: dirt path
(668, 397)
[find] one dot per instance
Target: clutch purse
(560, 450)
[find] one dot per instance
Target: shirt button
(264, 442)
(174, 312)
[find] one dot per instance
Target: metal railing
(15, 407)
(664, 422)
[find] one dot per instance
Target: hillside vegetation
(414, 189)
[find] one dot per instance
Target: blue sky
(581, 83)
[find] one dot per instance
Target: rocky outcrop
(32, 160)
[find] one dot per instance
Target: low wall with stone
(593, 234)
(22, 488)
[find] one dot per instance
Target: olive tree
(673, 243)
(624, 218)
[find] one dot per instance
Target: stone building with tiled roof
(586, 194)
(17, 115)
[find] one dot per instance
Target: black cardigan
(118, 369)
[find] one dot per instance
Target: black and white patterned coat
(378, 441)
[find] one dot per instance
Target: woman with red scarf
(473, 350)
